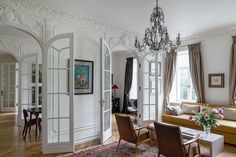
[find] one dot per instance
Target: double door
(8, 87)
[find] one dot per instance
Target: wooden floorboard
(13, 145)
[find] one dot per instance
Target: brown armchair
(129, 133)
(171, 143)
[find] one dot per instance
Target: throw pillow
(169, 110)
(190, 109)
(229, 114)
(177, 110)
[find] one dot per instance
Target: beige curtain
(196, 71)
(232, 73)
(170, 68)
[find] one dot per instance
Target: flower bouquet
(208, 117)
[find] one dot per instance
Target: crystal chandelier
(156, 36)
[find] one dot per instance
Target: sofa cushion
(177, 110)
(190, 109)
(229, 114)
(169, 110)
(226, 126)
(183, 120)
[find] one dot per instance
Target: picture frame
(83, 77)
(216, 80)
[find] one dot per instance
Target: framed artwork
(216, 80)
(83, 77)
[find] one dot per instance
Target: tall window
(134, 90)
(182, 89)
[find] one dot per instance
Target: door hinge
(139, 65)
(140, 88)
(139, 115)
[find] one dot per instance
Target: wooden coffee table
(211, 146)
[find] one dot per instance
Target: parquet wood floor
(13, 145)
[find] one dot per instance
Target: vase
(207, 130)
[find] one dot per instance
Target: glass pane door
(58, 108)
(106, 92)
(8, 87)
(149, 95)
(28, 83)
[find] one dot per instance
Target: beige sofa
(227, 126)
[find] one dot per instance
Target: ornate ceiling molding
(11, 15)
(19, 41)
(62, 16)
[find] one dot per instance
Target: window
(134, 90)
(182, 89)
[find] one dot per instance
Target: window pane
(182, 88)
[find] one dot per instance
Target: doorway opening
(124, 85)
(20, 77)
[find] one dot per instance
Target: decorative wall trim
(87, 139)
(62, 16)
(11, 15)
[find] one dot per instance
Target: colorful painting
(83, 77)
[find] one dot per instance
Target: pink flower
(198, 123)
(220, 116)
(190, 117)
(215, 111)
(220, 110)
(206, 117)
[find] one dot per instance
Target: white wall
(216, 55)
(118, 71)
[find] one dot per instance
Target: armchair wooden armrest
(191, 141)
(187, 144)
(139, 128)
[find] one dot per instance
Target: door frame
(49, 148)
(141, 89)
(2, 108)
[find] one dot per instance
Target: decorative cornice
(10, 14)
(18, 40)
(62, 16)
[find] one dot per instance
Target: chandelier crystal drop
(156, 37)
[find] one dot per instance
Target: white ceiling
(190, 17)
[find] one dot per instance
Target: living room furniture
(115, 105)
(171, 143)
(227, 127)
(28, 123)
(36, 111)
(129, 133)
(214, 144)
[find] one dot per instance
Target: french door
(106, 92)
(149, 95)
(28, 84)
(8, 87)
(58, 65)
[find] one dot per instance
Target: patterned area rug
(125, 150)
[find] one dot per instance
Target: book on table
(190, 132)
